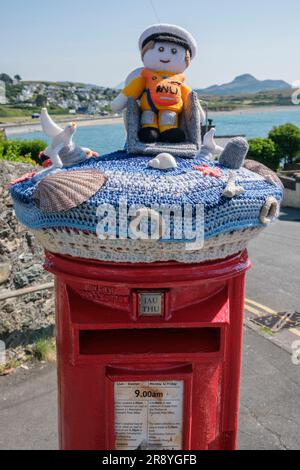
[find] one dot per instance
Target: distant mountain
(245, 84)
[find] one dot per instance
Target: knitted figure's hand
(210, 144)
(119, 103)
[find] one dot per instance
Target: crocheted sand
(129, 178)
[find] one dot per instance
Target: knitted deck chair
(190, 122)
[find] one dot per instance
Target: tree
(6, 78)
(287, 140)
(18, 78)
(41, 101)
(264, 151)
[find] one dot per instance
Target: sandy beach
(27, 127)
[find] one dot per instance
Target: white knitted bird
(62, 151)
(209, 147)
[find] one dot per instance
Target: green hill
(245, 84)
(246, 100)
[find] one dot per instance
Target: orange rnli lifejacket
(164, 91)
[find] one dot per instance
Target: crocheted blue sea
(130, 178)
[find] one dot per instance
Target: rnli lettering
(151, 303)
(167, 89)
(164, 91)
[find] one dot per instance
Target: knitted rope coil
(229, 223)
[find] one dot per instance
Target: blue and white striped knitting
(229, 222)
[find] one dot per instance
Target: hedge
(264, 151)
(22, 151)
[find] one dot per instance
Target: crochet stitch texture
(129, 177)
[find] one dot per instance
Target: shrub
(264, 151)
(45, 349)
(32, 148)
(23, 150)
(287, 140)
(11, 151)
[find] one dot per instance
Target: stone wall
(23, 319)
(291, 196)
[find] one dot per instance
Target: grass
(22, 112)
(266, 331)
(45, 349)
(10, 111)
(17, 120)
(22, 117)
(11, 365)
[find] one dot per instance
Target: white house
(3, 99)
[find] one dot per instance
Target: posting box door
(149, 411)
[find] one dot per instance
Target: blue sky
(95, 41)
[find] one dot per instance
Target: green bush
(21, 151)
(287, 140)
(264, 151)
(32, 148)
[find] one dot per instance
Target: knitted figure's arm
(133, 89)
(185, 91)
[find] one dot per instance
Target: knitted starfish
(25, 177)
(208, 171)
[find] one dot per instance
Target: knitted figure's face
(166, 56)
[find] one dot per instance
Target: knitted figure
(167, 51)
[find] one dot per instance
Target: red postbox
(149, 355)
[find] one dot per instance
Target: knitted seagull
(62, 151)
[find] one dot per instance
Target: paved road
(269, 416)
(274, 281)
(275, 277)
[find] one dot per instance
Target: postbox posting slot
(150, 341)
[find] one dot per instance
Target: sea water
(107, 138)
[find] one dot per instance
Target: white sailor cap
(169, 33)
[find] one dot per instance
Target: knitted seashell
(68, 189)
(262, 170)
